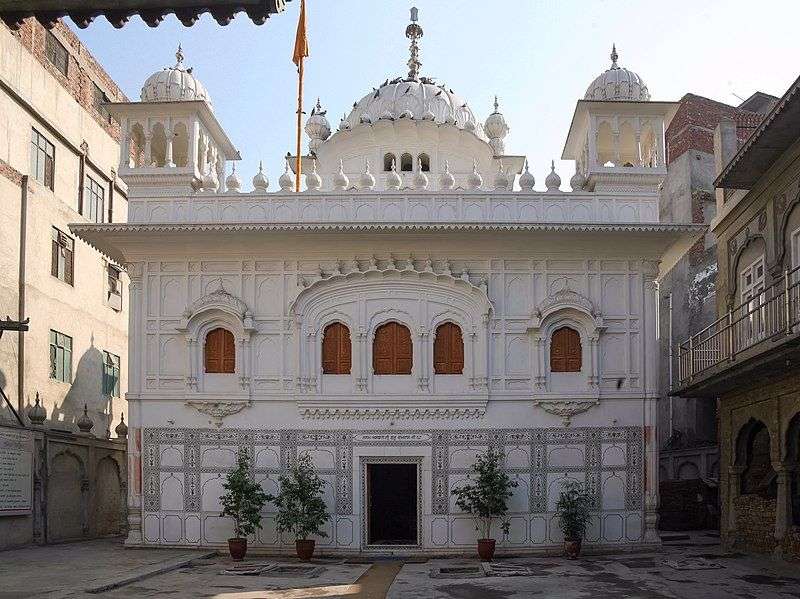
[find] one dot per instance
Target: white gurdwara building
(417, 303)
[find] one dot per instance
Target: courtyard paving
(693, 568)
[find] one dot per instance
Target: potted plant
(301, 509)
(572, 510)
(242, 501)
(485, 496)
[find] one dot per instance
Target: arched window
(424, 163)
(220, 352)
(565, 351)
(406, 163)
(758, 476)
(448, 349)
(392, 350)
(388, 159)
(336, 349)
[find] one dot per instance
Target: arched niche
(180, 145)
(365, 300)
(628, 147)
(753, 247)
(136, 144)
(606, 152)
(217, 309)
(388, 161)
(158, 145)
(566, 309)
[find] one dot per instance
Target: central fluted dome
(617, 83)
(174, 84)
(415, 99)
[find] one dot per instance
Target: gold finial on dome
(614, 56)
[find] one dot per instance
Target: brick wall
(693, 126)
(755, 517)
(83, 69)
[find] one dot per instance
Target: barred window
(62, 259)
(60, 357)
(43, 159)
(111, 370)
(94, 201)
(56, 53)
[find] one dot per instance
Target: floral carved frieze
(218, 410)
(565, 409)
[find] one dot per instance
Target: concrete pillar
(726, 145)
(169, 135)
(148, 158)
(650, 407)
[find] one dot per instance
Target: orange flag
(301, 39)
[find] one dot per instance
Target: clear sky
(538, 56)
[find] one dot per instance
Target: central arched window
(336, 357)
(406, 163)
(388, 161)
(424, 163)
(448, 349)
(220, 352)
(565, 351)
(392, 351)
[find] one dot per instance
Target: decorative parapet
(378, 409)
(398, 206)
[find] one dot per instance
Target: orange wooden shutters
(448, 349)
(565, 351)
(220, 352)
(336, 358)
(392, 351)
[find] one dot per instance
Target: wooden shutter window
(565, 351)
(392, 351)
(336, 357)
(220, 352)
(448, 349)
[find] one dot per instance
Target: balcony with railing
(764, 323)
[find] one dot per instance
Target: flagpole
(299, 166)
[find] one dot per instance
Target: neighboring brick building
(748, 357)
(687, 426)
(59, 149)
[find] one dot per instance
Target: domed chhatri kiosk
(418, 302)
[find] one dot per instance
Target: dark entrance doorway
(392, 504)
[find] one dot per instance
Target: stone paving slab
(54, 571)
(611, 577)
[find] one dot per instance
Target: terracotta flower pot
(305, 549)
(237, 548)
(572, 547)
(486, 549)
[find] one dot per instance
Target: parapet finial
(179, 57)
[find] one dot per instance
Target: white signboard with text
(16, 472)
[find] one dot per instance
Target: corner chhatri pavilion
(418, 302)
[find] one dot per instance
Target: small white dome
(446, 179)
(260, 181)
(420, 180)
(340, 180)
(418, 99)
(317, 127)
(313, 180)
(174, 84)
(527, 180)
(393, 180)
(232, 183)
(286, 180)
(577, 181)
(474, 179)
(552, 181)
(500, 178)
(617, 83)
(367, 181)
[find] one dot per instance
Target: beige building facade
(748, 358)
(58, 151)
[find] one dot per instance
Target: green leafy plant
(301, 509)
(572, 510)
(243, 498)
(486, 494)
